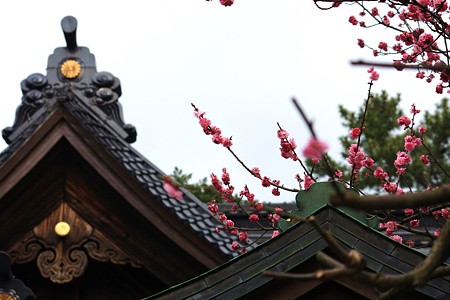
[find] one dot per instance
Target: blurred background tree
(382, 139)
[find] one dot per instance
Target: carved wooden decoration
(64, 257)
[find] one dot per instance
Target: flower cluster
(401, 161)
(355, 133)
(419, 27)
(225, 189)
(287, 146)
(214, 131)
(358, 159)
(374, 76)
(225, 2)
(389, 227)
(315, 150)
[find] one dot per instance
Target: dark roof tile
(190, 209)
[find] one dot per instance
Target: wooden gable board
(129, 177)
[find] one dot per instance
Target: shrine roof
(294, 251)
(73, 83)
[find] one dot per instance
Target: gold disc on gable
(7, 296)
(70, 68)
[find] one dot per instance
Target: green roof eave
(310, 201)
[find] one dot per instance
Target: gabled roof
(294, 251)
(71, 128)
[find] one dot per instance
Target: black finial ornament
(10, 287)
(70, 70)
(69, 26)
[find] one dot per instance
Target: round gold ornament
(70, 68)
(62, 228)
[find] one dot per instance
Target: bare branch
(352, 259)
(397, 66)
(370, 203)
(281, 187)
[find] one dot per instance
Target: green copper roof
(316, 197)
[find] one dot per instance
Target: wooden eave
(194, 253)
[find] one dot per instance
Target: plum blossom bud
(254, 218)
(424, 159)
(172, 190)
(353, 20)
(354, 133)
(414, 223)
(256, 172)
(403, 120)
(265, 181)
(226, 2)
(235, 246)
(374, 76)
(222, 217)
(368, 162)
(375, 11)
(225, 176)
(315, 149)
(259, 206)
(229, 223)
(409, 212)
(282, 134)
(243, 236)
(422, 129)
(308, 182)
(275, 192)
(397, 238)
(361, 43)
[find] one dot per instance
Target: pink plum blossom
(404, 121)
(226, 2)
(315, 149)
(354, 133)
(275, 192)
(243, 236)
(422, 129)
(308, 182)
(424, 159)
(397, 238)
(254, 218)
(171, 189)
(235, 246)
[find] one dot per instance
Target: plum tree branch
(381, 202)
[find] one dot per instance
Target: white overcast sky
(240, 64)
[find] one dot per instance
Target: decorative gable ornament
(70, 69)
(61, 258)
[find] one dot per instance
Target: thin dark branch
(253, 173)
(397, 66)
(314, 135)
(381, 202)
(352, 259)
